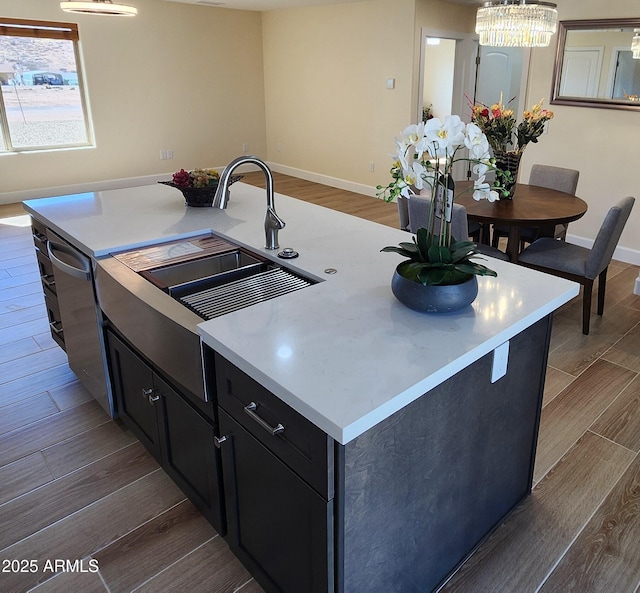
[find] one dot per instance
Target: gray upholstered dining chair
(414, 212)
(581, 264)
(559, 178)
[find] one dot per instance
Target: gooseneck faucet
(272, 223)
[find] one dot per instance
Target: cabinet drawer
(55, 323)
(39, 232)
(301, 445)
(45, 268)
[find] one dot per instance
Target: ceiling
(274, 4)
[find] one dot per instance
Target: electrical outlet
(372, 167)
(169, 153)
(278, 147)
(245, 147)
(500, 361)
(163, 155)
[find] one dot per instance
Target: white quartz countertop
(343, 352)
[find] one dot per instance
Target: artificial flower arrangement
(424, 158)
(507, 139)
(196, 178)
(499, 125)
(198, 186)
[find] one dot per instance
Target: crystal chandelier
(516, 23)
(104, 7)
(635, 44)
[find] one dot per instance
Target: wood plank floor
(75, 485)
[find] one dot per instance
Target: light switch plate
(500, 360)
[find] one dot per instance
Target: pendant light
(635, 44)
(104, 7)
(516, 23)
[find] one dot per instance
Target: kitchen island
(413, 442)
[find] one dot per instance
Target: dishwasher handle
(81, 272)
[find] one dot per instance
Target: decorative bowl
(434, 299)
(199, 197)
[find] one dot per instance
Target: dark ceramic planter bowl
(434, 299)
(200, 197)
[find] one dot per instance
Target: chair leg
(587, 288)
(602, 286)
(484, 234)
(496, 239)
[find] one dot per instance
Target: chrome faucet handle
(272, 224)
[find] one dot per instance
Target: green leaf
(432, 276)
(423, 240)
(462, 253)
(440, 253)
(463, 244)
(400, 250)
(477, 269)
(410, 270)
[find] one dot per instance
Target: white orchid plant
(424, 159)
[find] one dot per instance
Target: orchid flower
(476, 142)
(482, 190)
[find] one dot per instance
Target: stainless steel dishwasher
(81, 318)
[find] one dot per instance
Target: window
(43, 100)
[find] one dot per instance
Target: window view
(42, 97)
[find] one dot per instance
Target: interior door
(627, 76)
(581, 72)
(499, 74)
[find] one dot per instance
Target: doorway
(455, 72)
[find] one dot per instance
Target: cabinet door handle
(46, 281)
(40, 238)
(217, 441)
(251, 408)
(150, 395)
(54, 328)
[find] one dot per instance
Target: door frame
(464, 79)
(465, 68)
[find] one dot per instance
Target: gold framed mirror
(595, 64)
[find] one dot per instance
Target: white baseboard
(359, 188)
(14, 197)
(623, 254)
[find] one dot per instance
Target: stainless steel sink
(215, 267)
(221, 280)
(156, 297)
(245, 289)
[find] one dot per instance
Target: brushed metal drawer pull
(217, 441)
(251, 410)
(46, 281)
(149, 395)
(55, 329)
(39, 237)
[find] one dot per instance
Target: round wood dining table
(531, 205)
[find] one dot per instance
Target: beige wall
(597, 142)
(322, 110)
(328, 111)
(176, 76)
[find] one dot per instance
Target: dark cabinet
(45, 267)
(175, 433)
(398, 507)
(279, 504)
(136, 399)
